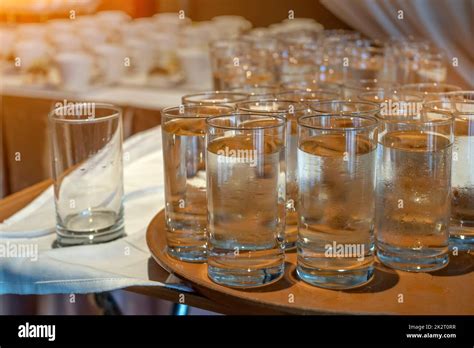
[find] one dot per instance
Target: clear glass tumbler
(336, 185)
(461, 228)
(238, 62)
(184, 156)
(414, 190)
(291, 111)
(86, 151)
(246, 198)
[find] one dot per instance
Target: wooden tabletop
(448, 291)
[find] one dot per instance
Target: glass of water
(336, 185)
(184, 157)
(414, 190)
(291, 110)
(86, 151)
(246, 198)
(462, 205)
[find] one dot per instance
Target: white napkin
(93, 268)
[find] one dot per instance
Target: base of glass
(461, 238)
(245, 278)
(195, 254)
(413, 261)
(66, 237)
(337, 280)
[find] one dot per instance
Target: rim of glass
(461, 93)
(254, 89)
(297, 91)
(375, 107)
(117, 112)
(412, 119)
(241, 97)
(420, 87)
(391, 92)
(373, 124)
(166, 112)
(279, 117)
(301, 106)
(429, 106)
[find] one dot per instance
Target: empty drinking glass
(366, 59)
(86, 151)
(237, 62)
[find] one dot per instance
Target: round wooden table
(448, 291)
(444, 292)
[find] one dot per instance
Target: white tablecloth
(95, 268)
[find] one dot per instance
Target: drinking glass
(226, 56)
(184, 131)
(461, 227)
(366, 59)
(431, 65)
(238, 62)
(291, 110)
(86, 151)
(404, 56)
(298, 53)
(214, 98)
(336, 184)
(414, 190)
(246, 198)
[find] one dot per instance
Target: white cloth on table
(92, 268)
